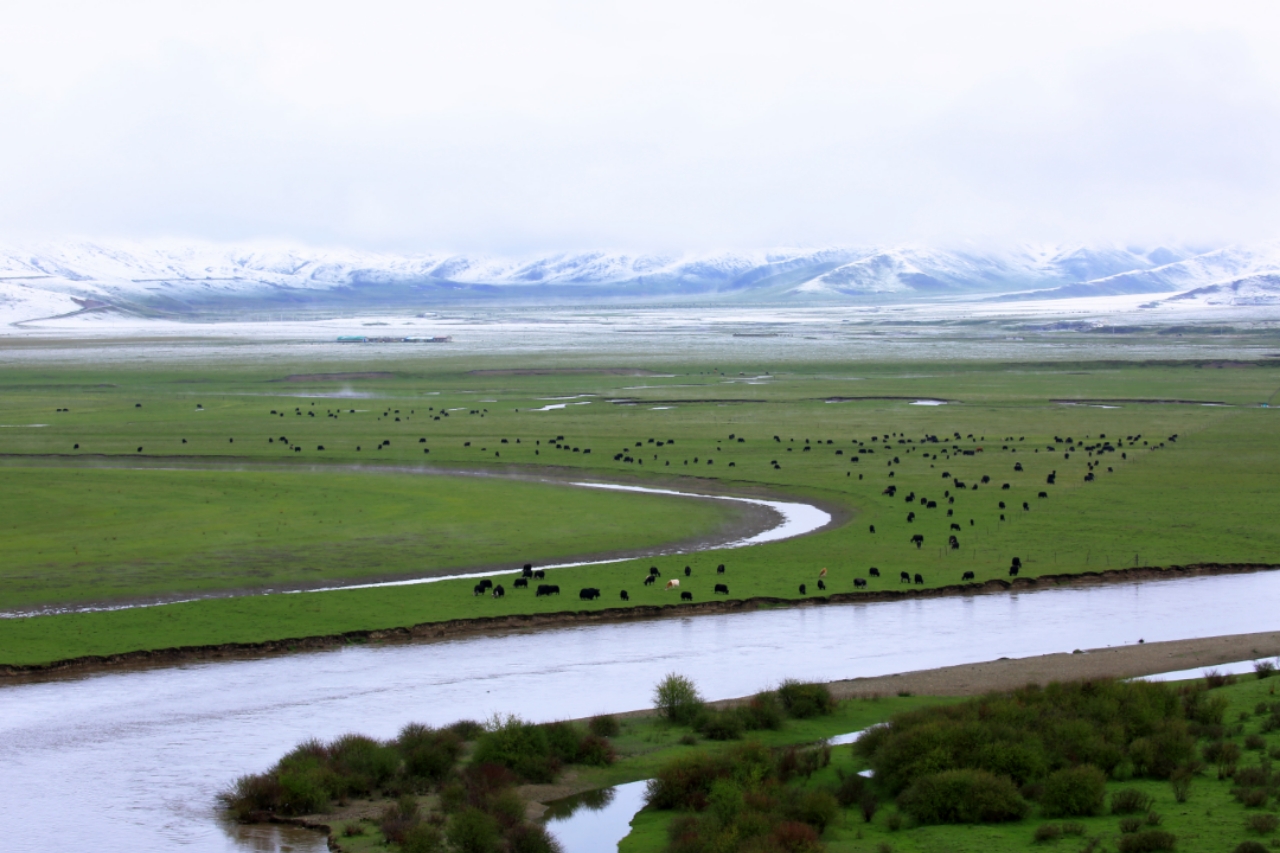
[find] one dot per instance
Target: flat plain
(128, 485)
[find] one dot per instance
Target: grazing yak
(874, 572)
(722, 588)
(919, 578)
(903, 577)
(803, 591)
(539, 574)
(687, 571)
(822, 585)
(589, 593)
(649, 580)
(653, 572)
(967, 576)
(911, 516)
(873, 528)
(1026, 506)
(954, 526)
(527, 572)
(672, 584)
(859, 583)
(521, 583)
(498, 591)
(625, 597)
(953, 543)
(1043, 495)
(720, 569)
(686, 596)
(546, 589)
(917, 540)
(1013, 571)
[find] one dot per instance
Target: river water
(131, 761)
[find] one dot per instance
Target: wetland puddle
(138, 756)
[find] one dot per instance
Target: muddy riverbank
(521, 623)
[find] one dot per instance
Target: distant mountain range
(167, 279)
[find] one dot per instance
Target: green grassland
(135, 533)
(1206, 497)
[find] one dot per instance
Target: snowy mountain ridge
(191, 278)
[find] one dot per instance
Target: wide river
(131, 761)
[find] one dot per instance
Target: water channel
(131, 761)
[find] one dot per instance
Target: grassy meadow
(122, 483)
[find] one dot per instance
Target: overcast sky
(530, 126)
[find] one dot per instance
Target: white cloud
(512, 126)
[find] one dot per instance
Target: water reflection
(595, 821)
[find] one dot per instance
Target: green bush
(763, 712)
(803, 700)
(604, 725)
(1130, 824)
(851, 788)
(596, 751)
(814, 808)
(1147, 841)
(1264, 669)
(1130, 801)
(422, 838)
(962, 796)
(1073, 792)
(677, 700)
(428, 754)
(1251, 847)
(519, 746)
(1263, 824)
(721, 725)
(1047, 832)
(473, 831)
(1130, 727)
(531, 838)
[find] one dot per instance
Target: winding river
(131, 761)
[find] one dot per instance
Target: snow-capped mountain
(180, 279)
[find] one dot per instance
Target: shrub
(1264, 669)
(851, 788)
(1214, 679)
(564, 740)
(677, 699)
(721, 725)
(519, 746)
(1251, 847)
(1027, 733)
(685, 781)
(764, 711)
(1255, 742)
(1154, 818)
(604, 725)
(422, 838)
(1130, 824)
(802, 700)
(814, 808)
(596, 751)
(1073, 828)
(1251, 798)
(473, 831)
(794, 837)
(428, 754)
(894, 822)
(1252, 777)
(531, 838)
(466, 729)
(1130, 801)
(1047, 832)
(963, 796)
(1263, 824)
(1180, 779)
(868, 804)
(1074, 792)
(398, 818)
(1221, 752)
(1146, 841)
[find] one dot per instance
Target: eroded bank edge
(453, 628)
